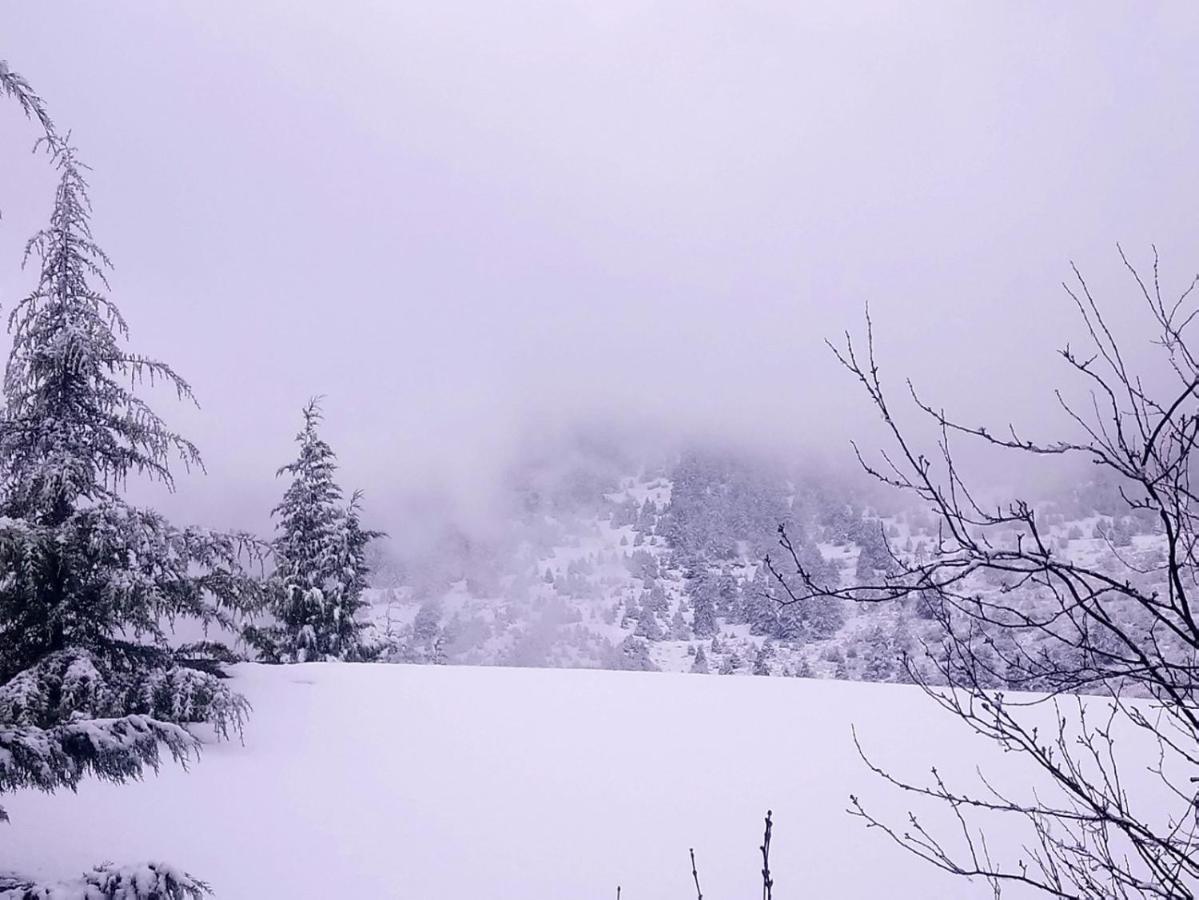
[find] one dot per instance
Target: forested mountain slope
(607, 561)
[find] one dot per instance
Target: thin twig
(767, 880)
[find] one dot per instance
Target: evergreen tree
(632, 613)
(89, 683)
(878, 656)
(875, 554)
(729, 601)
(315, 592)
(730, 663)
(762, 609)
(151, 881)
(647, 625)
(678, 626)
(704, 590)
(821, 617)
(632, 654)
(423, 641)
(763, 658)
(700, 663)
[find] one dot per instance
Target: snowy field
(456, 782)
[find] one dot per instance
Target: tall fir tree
(89, 683)
(320, 561)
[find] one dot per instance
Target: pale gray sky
(459, 221)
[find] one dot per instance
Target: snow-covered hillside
(597, 565)
(462, 783)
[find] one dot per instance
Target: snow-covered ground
(464, 783)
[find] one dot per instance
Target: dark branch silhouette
(767, 880)
(1117, 629)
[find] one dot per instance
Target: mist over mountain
(598, 555)
(371, 364)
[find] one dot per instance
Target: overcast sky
(461, 222)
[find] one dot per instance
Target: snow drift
(458, 782)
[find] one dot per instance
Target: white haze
(470, 225)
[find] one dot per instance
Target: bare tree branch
(1058, 624)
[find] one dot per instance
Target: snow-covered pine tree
(152, 881)
(88, 681)
(315, 593)
(15, 87)
(632, 654)
(703, 589)
(763, 658)
(762, 610)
